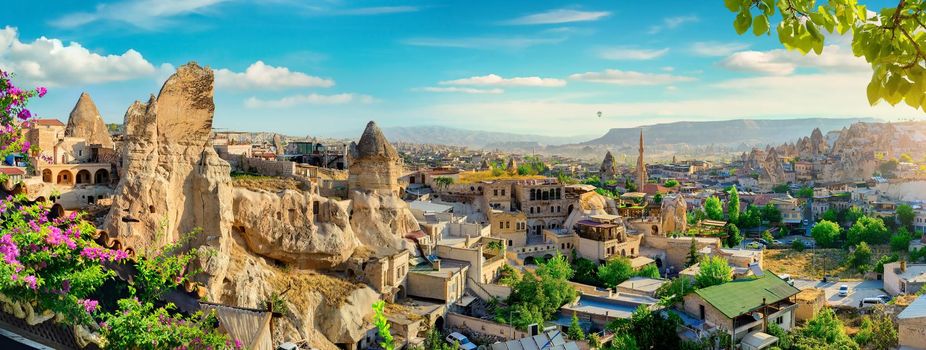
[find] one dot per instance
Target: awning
(465, 301)
(758, 340)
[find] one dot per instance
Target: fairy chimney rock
(376, 166)
(85, 122)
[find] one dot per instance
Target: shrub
(798, 245)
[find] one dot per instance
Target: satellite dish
(599, 114)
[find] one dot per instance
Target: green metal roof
(744, 295)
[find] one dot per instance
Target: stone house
(809, 302)
(442, 280)
(903, 278)
(744, 308)
(911, 324)
(544, 203)
(484, 255)
(385, 272)
(509, 226)
(792, 210)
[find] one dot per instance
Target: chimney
(903, 266)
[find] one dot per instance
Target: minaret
(642, 176)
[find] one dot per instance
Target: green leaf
(873, 91)
(760, 25)
(769, 7)
(733, 5)
(742, 22)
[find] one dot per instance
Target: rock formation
(674, 214)
(85, 122)
(278, 144)
(608, 170)
(302, 229)
(173, 181)
(375, 166)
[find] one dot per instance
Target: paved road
(857, 291)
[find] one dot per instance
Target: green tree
(586, 271)
(784, 338)
(649, 329)
(734, 238)
(623, 341)
(434, 341)
(733, 205)
(853, 214)
(615, 271)
(382, 325)
(905, 215)
(831, 215)
(824, 331)
(508, 275)
(781, 188)
(825, 233)
(713, 208)
(767, 236)
(878, 331)
(889, 39)
(798, 245)
(861, 257)
(805, 192)
(671, 183)
(536, 298)
(672, 293)
(575, 331)
(714, 270)
(868, 229)
(771, 213)
(751, 218)
(648, 271)
(692, 254)
(900, 241)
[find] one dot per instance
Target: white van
(787, 278)
(868, 303)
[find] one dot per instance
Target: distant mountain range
(472, 138)
(728, 132)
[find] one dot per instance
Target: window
(495, 192)
(780, 320)
(503, 191)
(532, 210)
(501, 225)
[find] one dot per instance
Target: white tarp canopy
(758, 340)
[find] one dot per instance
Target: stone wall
(457, 321)
(259, 166)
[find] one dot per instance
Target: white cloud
(310, 99)
(672, 23)
(784, 62)
(262, 76)
(820, 95)
(145, 14)
(464, 90)
(713, 48)
(496, 80)
(559, 16)
(49, 62)
(619, 77)
(484, 42)
(632, 54)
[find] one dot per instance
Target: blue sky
(327, 66)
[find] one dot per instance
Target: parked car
(870, 302)
(885, 297)
(461, 340)
(787, 278)
(843, 290)
(756, 246)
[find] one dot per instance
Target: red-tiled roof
(12, 171)
(48, 122)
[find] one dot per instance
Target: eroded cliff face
(172, 182)
(294, 227)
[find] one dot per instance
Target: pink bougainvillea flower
(31, 281)
(41, 90)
